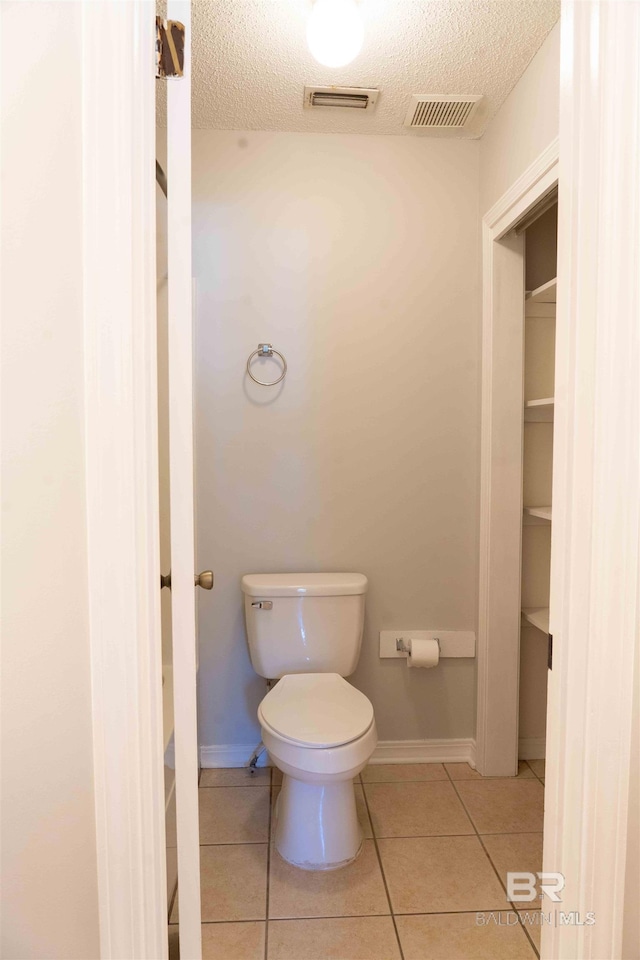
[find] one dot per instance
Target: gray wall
(358, 257)
(526, 123)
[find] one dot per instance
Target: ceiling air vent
(441, 111)
(358, 98)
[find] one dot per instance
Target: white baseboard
(425, 751)
(387, 751)
(532, 749)
(230, 755)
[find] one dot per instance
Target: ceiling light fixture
(335, 32)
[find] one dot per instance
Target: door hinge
(550, 652)
(169, 48)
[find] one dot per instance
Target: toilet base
(317, 825)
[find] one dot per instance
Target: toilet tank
(304, 622)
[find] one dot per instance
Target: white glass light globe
(335, 32)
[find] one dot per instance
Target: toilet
(305, 631)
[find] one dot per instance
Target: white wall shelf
(545, 293)
(539, 513)
(537, 617)
(537, 470)
(539, 411)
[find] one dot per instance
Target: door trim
(501, 467)
(181, 465)
(595, 566)
(122, 475)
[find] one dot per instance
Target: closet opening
(518, 357)
(540, 269)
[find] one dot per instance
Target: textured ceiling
(251, 61)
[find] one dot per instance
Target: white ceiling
(251, 61)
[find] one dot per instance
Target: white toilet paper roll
(424, 653)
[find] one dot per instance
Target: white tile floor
(439, 842)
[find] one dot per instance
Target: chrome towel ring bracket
(266, 350)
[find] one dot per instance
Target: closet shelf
(545, 293)
(539, 411)
(541, 513)
(537, 617)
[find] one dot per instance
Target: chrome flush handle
(263, 604)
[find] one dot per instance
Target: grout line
(455, 913)
(512, 906)
(510, 833)
(365, 916)
(334, 916)
(431, 836)
(236, 843)
(534, 773)
(266, 919)
(234, 786)
(214, 923)
(412, 836)
(173, 902)
(399, 783)
(384, 879)
(528, 935)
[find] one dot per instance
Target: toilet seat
(316, 710)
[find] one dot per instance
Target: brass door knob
(205, 580)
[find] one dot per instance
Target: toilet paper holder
(402, 647)
(453, 643)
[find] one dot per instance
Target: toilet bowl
(320, 732)
(305, 631)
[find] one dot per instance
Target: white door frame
(501, 468)
(183, 611)
(595, 592)
(122, 475)
(596, 475)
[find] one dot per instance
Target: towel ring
(266, 350)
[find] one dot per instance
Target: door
(180, 393)
(591, 809)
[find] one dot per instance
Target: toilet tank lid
(303, 584)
